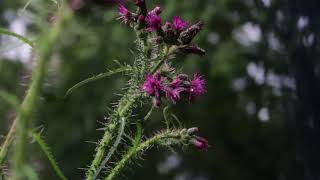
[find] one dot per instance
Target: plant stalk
(46, 43)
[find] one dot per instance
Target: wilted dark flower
(179, 24)
(192, 49)
(187, 36)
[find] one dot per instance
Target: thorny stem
(7, 142)
(27, 107)
(122, 111)
(139, 149)
(113, 148)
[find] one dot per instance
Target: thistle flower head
(173, 94)
(154, 22)
(125, 14)
(200, 143)
(179, 24)
(153, 85)
(197, 86)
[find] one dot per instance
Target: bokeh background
(261, 113)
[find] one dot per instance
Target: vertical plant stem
(46, 42)
(122, 110)
(100, 151)
(113, 148)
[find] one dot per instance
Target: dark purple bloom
(200, 143)
(153, 85)
(157, 11)
(179, 24)
(125, 14)
(154, 22)
(197, 87)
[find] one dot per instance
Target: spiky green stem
(139, 149)
(24, 116)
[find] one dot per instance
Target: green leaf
(95, 78)
(21, 38)
(47, 151)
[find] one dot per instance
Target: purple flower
(175, 88)
(178, 81)
(154, 22)
(179, 24)
(125, 14)
(153, 85)
(200, 143)
(157, 10)
(174, 93)
(197, 87)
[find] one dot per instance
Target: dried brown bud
(187, 36)
(192, 49)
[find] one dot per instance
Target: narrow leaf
(46, 150)
(21, 38)
(95, 78)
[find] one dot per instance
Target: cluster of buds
(159, 86)
(178, 32)
(189, 136)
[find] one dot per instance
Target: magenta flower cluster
(178, 35)
(178, 32)
(158, 86)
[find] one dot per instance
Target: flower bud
(192, 49)
(157, 10)
(187, 36)
(200, 143)
(193, 130)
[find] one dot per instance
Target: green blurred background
(260, 113)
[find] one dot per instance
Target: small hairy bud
(192, 49)
(187, 36)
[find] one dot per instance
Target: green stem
(100, 151)
(122, 111)
(24, 116)
(113, 148)
(139, 149)
(7, 142)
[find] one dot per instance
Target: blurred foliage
(249, 119)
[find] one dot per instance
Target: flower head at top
(125, 14)
(197, 86)
(179, 24)
(154, 22)
(153, 85)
